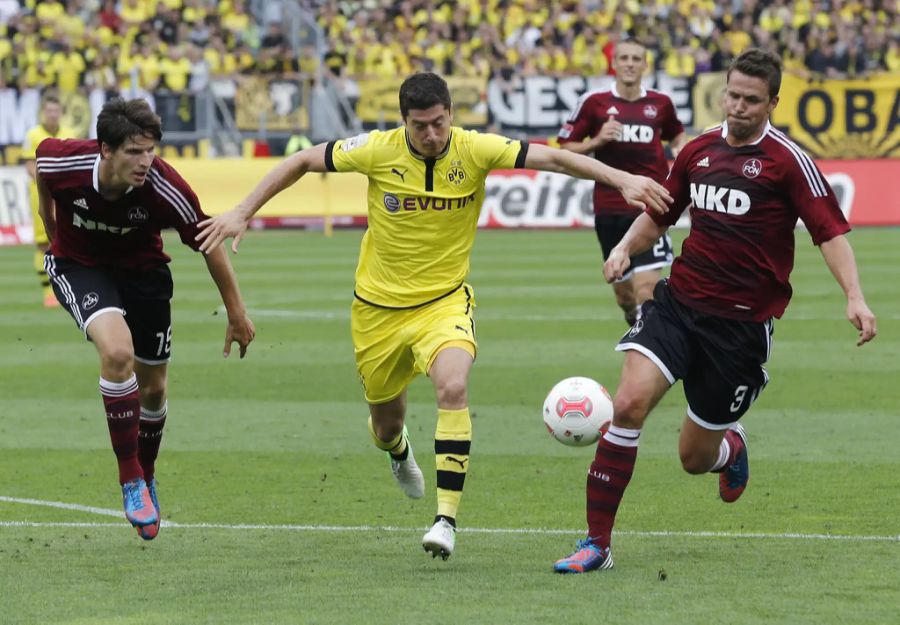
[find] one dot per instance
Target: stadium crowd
(180, 45)
(174, 45)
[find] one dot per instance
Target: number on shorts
(165, 341)
(659, 250)
(739, 394)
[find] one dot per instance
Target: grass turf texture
(280, 439)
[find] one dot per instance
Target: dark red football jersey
(744, 203)
(123, 233)
(648, 121)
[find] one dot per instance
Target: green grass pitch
(281, 510)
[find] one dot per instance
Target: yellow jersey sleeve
(490, 151)
(32, 140)
(352, 154)
(35, 136)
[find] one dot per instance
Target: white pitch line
(63, 506)
(389, 528)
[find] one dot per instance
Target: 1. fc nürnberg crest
(650, 111)
(138, 214)
(752, 168)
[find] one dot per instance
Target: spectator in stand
(175, 70)
(68, 68)
(199, 77)
(274, 37)
(892, 56)
(109, 17)
(133, 13)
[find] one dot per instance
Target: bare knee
(388, 418)
(388, 430)
(117, 363)
(451, 392)
(630, 410)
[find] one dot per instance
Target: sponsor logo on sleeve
(355, 142)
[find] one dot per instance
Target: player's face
(51, 114)
(130, 164)
(630, 63)
(429, 129)
(747, 105)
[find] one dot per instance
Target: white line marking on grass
(374, 528)
(63, 506)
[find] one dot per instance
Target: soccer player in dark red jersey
(710, 324)
(625, 127)
(103, 204)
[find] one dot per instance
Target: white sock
(623, 437)
(724, 452)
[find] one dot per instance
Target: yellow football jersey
(423, 212)
(36, 135)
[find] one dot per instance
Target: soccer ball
(577, 411)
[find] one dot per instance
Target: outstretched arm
(840, 260)
(638, 191)
(240, 329)
(234, 223)
(642, 234)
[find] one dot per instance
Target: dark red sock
(123, 410)
(606, 482)
(149, 438)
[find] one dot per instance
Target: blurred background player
(413, 311)
(104, 203)
(50, 126)
(711, 323)
(624, 128)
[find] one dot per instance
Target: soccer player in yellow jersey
(413, 311)
(49, 126)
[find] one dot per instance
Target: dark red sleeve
(582, 122)
(671, 126)
(678, 186)
(178, 201)
(813, 198)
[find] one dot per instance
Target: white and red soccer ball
(577, 411)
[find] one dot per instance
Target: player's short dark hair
(759, 64)
(422, 91)
(120, 120)
(50, 98)
(632, 41)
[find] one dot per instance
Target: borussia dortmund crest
(456, 176)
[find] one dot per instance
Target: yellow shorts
(394, 346)
(40, 235)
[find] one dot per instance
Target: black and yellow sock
(397, 446)
(452, 442)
